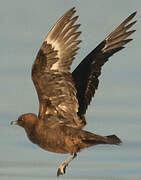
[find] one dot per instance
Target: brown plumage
(64, 96)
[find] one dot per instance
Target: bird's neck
(31, 133)
(34, 132)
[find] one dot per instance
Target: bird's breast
(57, 140)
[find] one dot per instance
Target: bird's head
(26, 120)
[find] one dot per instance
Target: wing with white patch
(51, 76)
(62, 38)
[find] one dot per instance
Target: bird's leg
(62, 167)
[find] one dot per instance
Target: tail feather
(113, 139)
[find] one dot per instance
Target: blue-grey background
(116, 108)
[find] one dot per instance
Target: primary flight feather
(64, 96)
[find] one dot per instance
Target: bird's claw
(62, 169)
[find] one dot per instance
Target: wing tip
(73, 10)
(130, 17)
(134, 13)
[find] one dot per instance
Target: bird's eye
(21, 119)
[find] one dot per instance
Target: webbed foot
(62, 167)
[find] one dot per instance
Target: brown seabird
(64, 96)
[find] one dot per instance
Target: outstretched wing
(86, 74)
(50, 73)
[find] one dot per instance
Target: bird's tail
(111, 139)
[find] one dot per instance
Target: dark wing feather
(86, 74)
(51, 76)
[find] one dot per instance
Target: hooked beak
(14, 122)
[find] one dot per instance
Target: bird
(63, 96)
